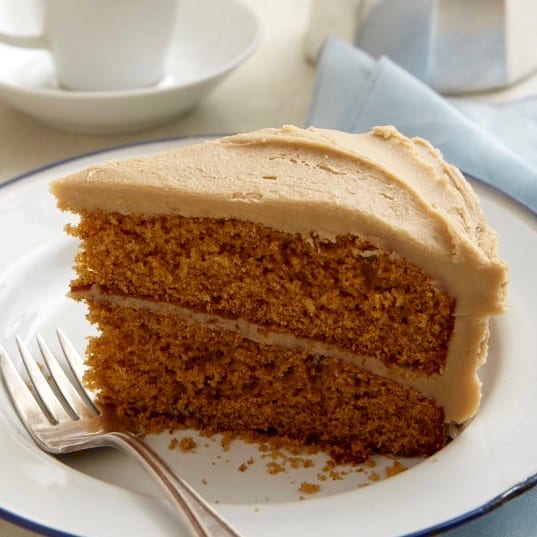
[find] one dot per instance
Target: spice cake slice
(307, 285)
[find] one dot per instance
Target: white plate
(102, 493)
(212, 39)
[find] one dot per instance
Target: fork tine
(19, 393)
(76, 364)
(43, 392)
(71, 400)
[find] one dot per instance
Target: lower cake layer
(159, 372)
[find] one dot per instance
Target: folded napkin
(496, 144)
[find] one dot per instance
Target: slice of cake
(307, 285)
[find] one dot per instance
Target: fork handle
(199, 516)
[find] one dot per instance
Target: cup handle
(24, 41)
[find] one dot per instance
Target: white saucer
(212, 39)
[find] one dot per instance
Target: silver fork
(65, 419)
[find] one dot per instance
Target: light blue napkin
(497, 144)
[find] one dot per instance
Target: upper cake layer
(394, 192)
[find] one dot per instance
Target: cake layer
(395, 192)
(215, 380)
(345, 293)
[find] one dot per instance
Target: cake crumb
(395, 468)
(336, 476)
(187, 444)
(275, 468)
(204, 481)
(226, 440)
(309, 488)
(244, 466)
(300, 462)
(373, 476)
(329, 465)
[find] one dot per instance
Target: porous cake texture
(311, 285)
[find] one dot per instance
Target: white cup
(103, 45)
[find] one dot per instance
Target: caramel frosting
(395, 192)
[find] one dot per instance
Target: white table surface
(272, 88)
